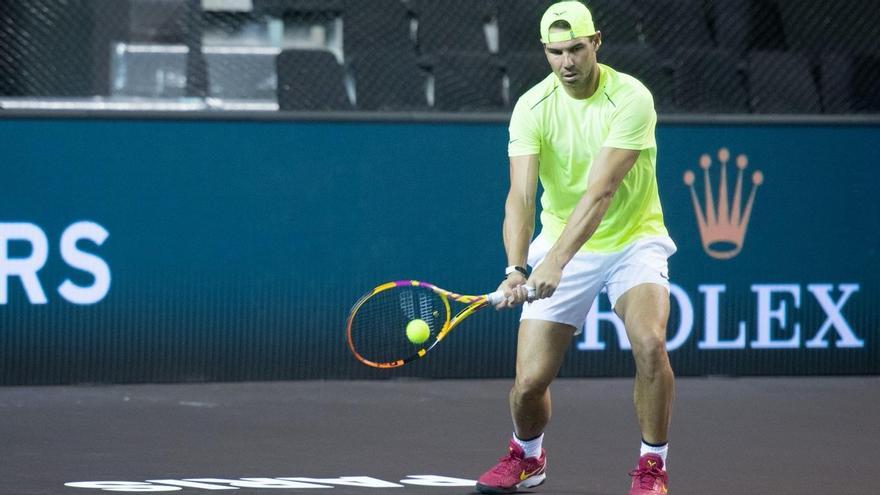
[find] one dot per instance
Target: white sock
(660, 450)
(531, 448)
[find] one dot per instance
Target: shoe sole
(527, 483)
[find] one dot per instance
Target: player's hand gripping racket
(399, 322)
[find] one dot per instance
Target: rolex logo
(723, 224)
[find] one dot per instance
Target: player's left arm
(631, 131)
(608, 170)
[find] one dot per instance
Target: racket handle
(495, 297)
(498, 296)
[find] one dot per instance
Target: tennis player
(587, 132)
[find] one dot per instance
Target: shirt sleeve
(633, 123)
(525, 137)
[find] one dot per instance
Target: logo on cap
(576, 14)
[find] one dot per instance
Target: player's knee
(649, 349)
(527, 386)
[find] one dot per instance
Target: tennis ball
(417, 331)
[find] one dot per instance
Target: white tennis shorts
(644, 261)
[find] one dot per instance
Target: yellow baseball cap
(576, 14)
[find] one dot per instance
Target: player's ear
(597, 40)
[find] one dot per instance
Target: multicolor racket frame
(446, 322)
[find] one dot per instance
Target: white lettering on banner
(686, 317)
(773, 329)
(591, 340)
(822, 293)
(269, 483)
(711, 332)
(26, 268)
(85, 262)
(767, 314)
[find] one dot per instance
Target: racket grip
(495, 297)
(498, 296)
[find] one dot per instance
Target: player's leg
(644, 310)
(639, 291)
(545, 332)
(541, 347)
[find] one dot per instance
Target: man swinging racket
(587, 132)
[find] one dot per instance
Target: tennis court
(196, 193)
(731, 436)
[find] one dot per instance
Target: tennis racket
(377, 324)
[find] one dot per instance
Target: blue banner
(152, 250)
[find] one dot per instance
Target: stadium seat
(708, 81)
(781, 82)
(866, 73)
(646, 65)
(10, 85)
(35, 41)
(369, 26)
(452, 25)
(673, 24)
(389, 81)
(36, 58)
(524, 70)
(743, 25)
(836, 73)
(519, 24)
(848, 26)
(466, 81)
(241, 75)
(310, 80)
(803, 28)
(173, 22)
(162, 21)
(848, 82)
(620, 21)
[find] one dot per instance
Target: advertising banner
(160, 250)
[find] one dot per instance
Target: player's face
(573, 61)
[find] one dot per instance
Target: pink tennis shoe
(514, 471)
(649, 478)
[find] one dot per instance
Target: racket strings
(378, 328)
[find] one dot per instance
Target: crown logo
(723, 226)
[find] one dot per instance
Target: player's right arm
(519, 224)
(524, 148)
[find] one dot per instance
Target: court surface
(730, 436)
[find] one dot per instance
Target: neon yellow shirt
(567, 133)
